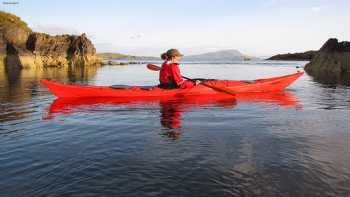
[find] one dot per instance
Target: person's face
(177, 58)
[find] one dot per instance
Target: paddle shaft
(218, 89)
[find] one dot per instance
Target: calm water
(295, 144)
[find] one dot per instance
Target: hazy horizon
(256, 28)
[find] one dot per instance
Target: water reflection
(332, 80)
(18, 87)
(171, 111)
(17, 82)
(171, 118)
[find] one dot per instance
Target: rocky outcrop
(62, 50)
(332, 62)
(306, 56)
(13, 30)
(20, 47)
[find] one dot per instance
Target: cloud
(316, 8)
(137, 36)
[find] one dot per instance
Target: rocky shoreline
(332, 62)
(20, 47)
(305, 56)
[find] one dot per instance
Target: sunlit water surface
(174, 148)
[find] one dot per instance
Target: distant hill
(120, 56)
(223, 55)
(107, 56)
(217, 56)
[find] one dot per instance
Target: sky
(254, 27)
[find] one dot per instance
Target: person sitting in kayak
(169, 75)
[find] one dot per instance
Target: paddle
(218, 89)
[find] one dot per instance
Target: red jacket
(170, 75)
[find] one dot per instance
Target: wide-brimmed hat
(173, 53)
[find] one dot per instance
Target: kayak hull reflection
(69, 105)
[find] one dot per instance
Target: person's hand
(197, 82)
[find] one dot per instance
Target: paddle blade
(153, 67)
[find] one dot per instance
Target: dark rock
(46, 45)
(332, 62)
(13, 30)
(21, 47)
(81, 51)
(306, 56)
(63, 49)
(18, 57)
(332, 79)
(333, 46)
(12, 57)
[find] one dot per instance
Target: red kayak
(257, 86)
